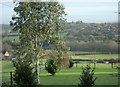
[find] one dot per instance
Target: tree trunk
(37, 63)
(37, 71)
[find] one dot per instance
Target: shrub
(87, 79)
(24, 76)
(100, 61)
(113, 61)
(51, 66)
(63, 62)
(71, 63)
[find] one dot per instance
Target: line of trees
(95, 46)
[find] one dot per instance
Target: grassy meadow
(70, 76)
(97, 56)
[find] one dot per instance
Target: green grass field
(97, 56)
(105, 74)
(8, 33)
(79, 52)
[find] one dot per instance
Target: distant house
(5, 55)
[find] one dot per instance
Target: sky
(89, 11)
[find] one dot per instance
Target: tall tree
(37, 22)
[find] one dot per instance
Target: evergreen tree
(24, 75)
(51, 66)
(87, 78)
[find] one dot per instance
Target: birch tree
(37, 22)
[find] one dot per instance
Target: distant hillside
(100, 37)
(79, 36)
(90, 31)
(78, 31)
(5, 26)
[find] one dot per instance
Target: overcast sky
(96, 11)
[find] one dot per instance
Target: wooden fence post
(76, 64)
(11, 79)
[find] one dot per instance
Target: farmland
(99, 37)
(82, 47)
(47, 43)
(69, 76)
(99, 56)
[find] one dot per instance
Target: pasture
(70, 76)
(96, 56)
(9, 35)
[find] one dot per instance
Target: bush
(100, 61)
(51, 66)
(71, 63)
(113, 61)
(87, 79)
(24, 76)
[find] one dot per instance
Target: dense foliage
(51, 66)
(36, 23)
(71, 63)
(87, 78)
(24, 75)
(101, 37)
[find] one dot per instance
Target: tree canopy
(37, 23)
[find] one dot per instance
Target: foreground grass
(105, 74)
(103, 79)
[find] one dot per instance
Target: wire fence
(7, 78)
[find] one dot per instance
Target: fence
(8, 78)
